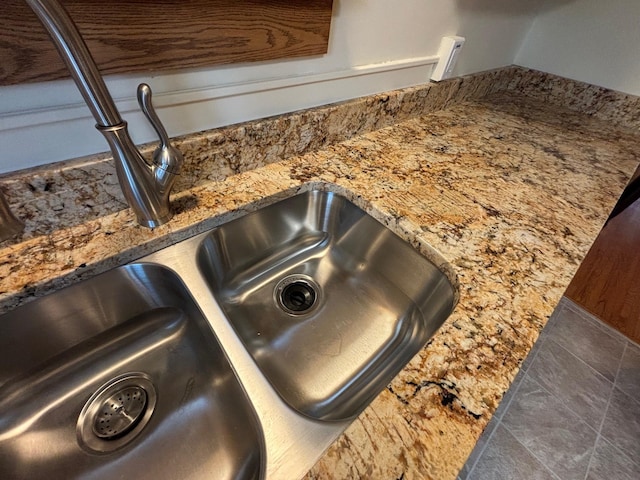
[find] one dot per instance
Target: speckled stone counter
(512, 194)
(509, 190)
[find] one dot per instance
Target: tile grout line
(499, 422)
(507, 405)
(612, 382)
(624, 452)
(597, 322)
(568, 409)
(606, 411)
(615, 384)
(590, 318)
(547, 338)
(544, 465)
(601, 323)
(484, 447)
(540, 341)
(624, 351)
(565, 406)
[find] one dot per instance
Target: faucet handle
(165, 156)
(144, 100)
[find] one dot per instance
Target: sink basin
(121, 377)
(330, 304)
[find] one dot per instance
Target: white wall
(375, 45)
(594, 41)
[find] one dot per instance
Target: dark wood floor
(607, 283)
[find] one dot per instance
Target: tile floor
(573, 411)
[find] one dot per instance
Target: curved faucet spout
(146, 186)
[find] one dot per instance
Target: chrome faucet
(145, 185)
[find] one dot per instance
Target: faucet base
(145, 186)
(156, 222)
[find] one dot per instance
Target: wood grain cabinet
(143, 36)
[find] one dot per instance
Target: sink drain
(120, 413)
(297, 294)
(116, 413)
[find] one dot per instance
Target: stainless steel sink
(315, 307)
(121, 377)
(330, 304)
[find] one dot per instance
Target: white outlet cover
(448, 53)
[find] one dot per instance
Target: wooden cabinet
(144, 36)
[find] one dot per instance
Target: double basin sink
(219, 356)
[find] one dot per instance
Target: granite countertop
(512, 194)
(510, 191)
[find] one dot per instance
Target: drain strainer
(116, 413)
(297, 294)
(120, 412)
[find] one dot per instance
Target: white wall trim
(62, 112)
(46, 122)
(36, 136)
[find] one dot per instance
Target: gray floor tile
(572, 381)
(609, 463)
(505, 458)
(553, 433)
(628, 379)
(587, 340)
(621, 426)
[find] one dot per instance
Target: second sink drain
(297, 294)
